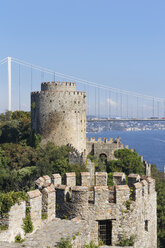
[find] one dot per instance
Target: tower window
(146, 225)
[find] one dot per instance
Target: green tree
(15, 127)
(127, 161)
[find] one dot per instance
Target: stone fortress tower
(95, 210)
(58, 114)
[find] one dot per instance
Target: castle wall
(58, 113)
(38, 203)
(131, 210)
(35, 204)
(15, 223)
(49, 202)
(105, 147)
(128, 210)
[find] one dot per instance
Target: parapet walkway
(50, 234)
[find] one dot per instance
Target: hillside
(22, 161)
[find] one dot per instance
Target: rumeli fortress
(58, 114)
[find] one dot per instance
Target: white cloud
(111, 102)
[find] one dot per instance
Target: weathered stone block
(70, 179)
(48, 202)
(101, 194)
(122, 193)
(40, 182)
(47, 181)
(101, 178)
(35, 203)
(85, 179)
(56, 179)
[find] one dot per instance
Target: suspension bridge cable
(158, 108)
(153, 106)
(137, 107)
(127, 106)
(54, 77)
(95, 102)
(121, 110)
(84, 81)
(116, 103)
(109, 105)
(142, 108)
(121, 104)
(98, 103)
(3, 60)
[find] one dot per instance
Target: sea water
(150, 144)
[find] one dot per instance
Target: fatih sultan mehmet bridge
(18, 78)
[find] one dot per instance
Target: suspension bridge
(18, 78)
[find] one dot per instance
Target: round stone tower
(58, 114)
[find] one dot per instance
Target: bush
(18, 239)
(125, 241)
(127, 204)
(110, 179)
(28, 225)
(3, 227)
(7, 200)
(92, 245)
(64, 243)
(44, 216)
(127, 161)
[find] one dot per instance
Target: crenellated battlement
(136, 189)
(75, 151)
(63, 86)
(55, 92)
(35, 93)
(59, 83)
(121, 204)
(105, 147)
(104, 140)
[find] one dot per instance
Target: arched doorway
(103, 157)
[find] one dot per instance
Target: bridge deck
(100, 120)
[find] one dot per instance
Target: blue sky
(120, 43)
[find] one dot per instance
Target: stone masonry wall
(131, 210)
(15, 220)
(35, 204)
(103, 147)
(48, 202)
(128, 211)
(38, 203)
